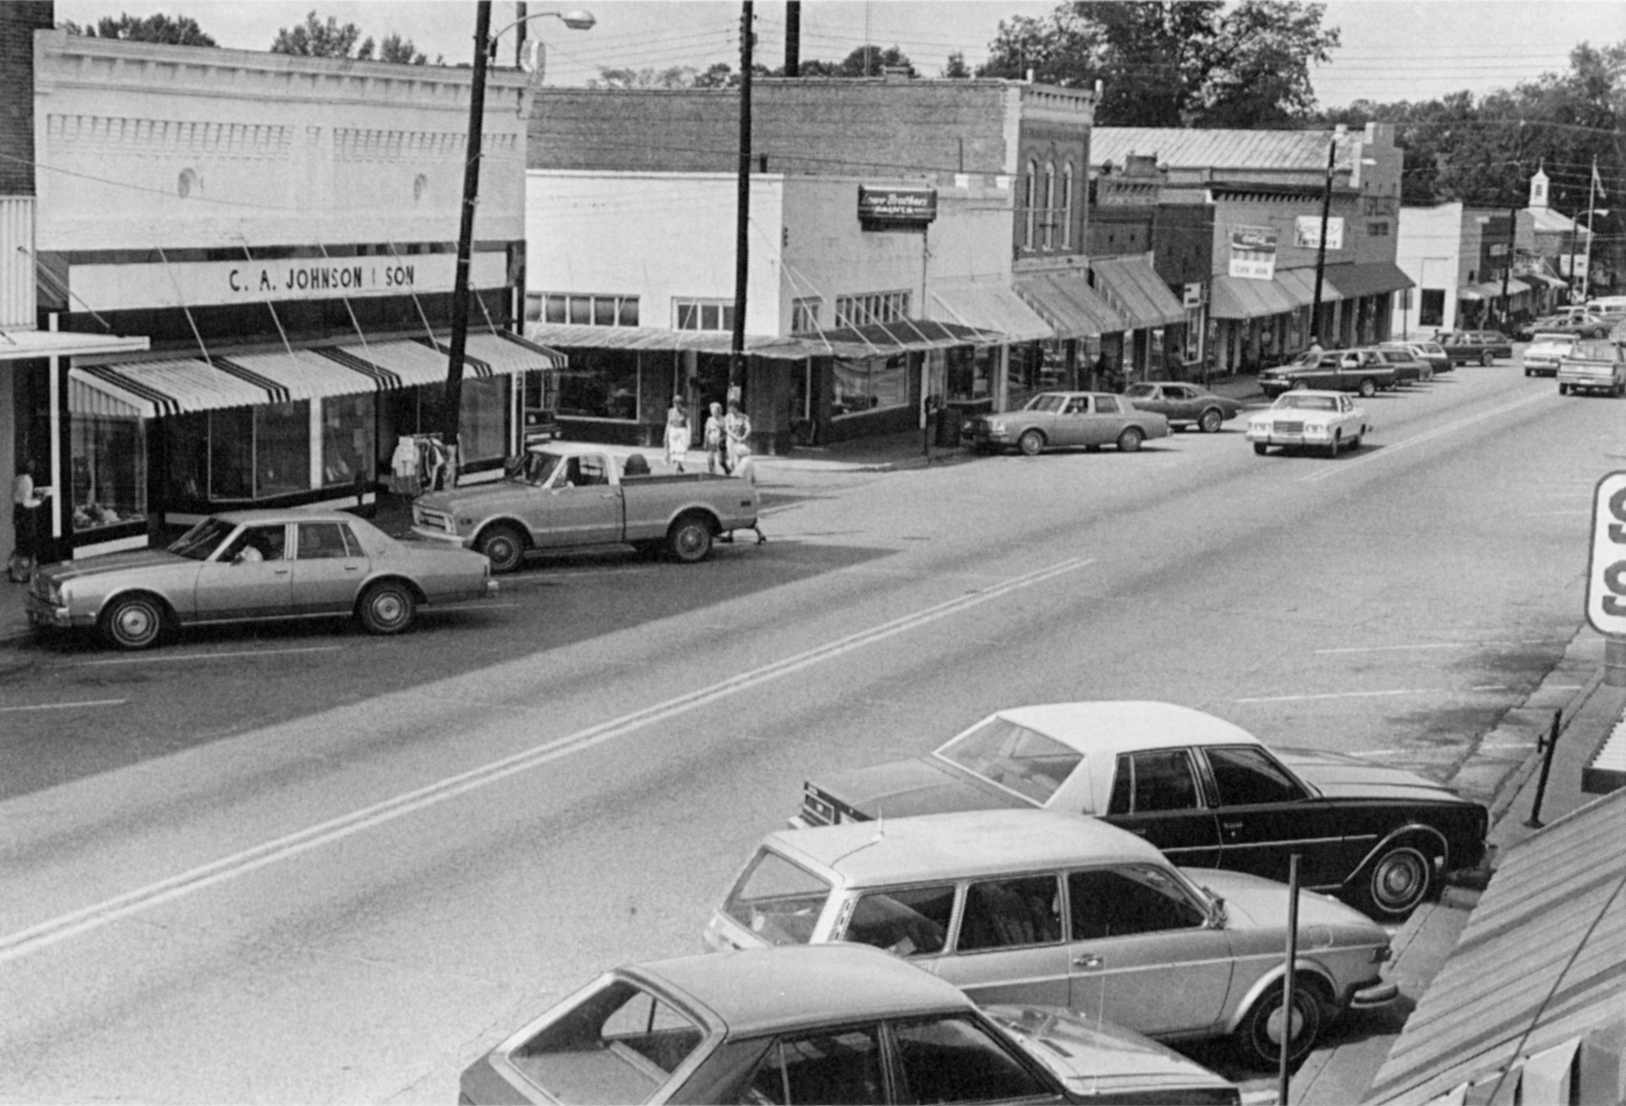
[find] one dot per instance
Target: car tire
(1563, 389)
(133, 621)
(388, 607)
(1528, 372)
(1259, 1037)
(1129, 441)
(1209, 421)
(1486, 359)
(1336, 444)
(1355, 442)
(503, 545)
(1030, 443)
(1259, 448)
(1394, 883)
(689, 539)
(1368, 387)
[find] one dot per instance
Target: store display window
(348, 439)
(869, 384)
(259, 452)
(604, 386)
(109, 471)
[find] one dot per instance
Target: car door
(1154, 397)
(328, 568)
(1143, 952)
(1109, 415)
(1069, 425)
(249, 578)
(1156, 795)
(580, 505)
(1008, 947)
(958, 1057)
(1266, 814)
(1180, 402)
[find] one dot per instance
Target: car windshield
(1306, 403)
(1013, 756)
(1594, 350)
(203, 539)
(1431, 347)
(618, 1043)
(1135, 390)
(777, 900)
(1045, 401)
(1553, 340)
(533, 467)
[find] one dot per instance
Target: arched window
(1031, 199)
(1049, 205)
(1067, 206)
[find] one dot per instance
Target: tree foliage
(316, 38)
(865, 59)
(179, 30)
(1174, 64)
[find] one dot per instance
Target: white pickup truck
(564, 496)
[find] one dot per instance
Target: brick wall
(19, 19)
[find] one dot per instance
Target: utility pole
(793, 38)
(1591, 199)
(519, 35)
(1512, 239)
(452, 406)
(1321, 244)
(742, 217)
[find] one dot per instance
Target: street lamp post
(485, 45)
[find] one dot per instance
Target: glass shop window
(870, 384)
(259, 452)
(348, 442)
(600, 386)
(186, 450)
(968, 371)
(482, 424)
(109, 471)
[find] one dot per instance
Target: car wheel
(1336, 444)
(1300, 385)
(1030, 443)
(387, 607)
(503, 545)
(1259, 448)
(1486, 359)
(133, 621)
(1355, 442)
(1209, 421)
(1527, 372)
(1263, 1031)
(1368, 388)
(689, 539)
(1563, 389)
(1395, 882)
(1129, 441)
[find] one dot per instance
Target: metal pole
(1591, 199)
(1512, 231)
(452, 407)
(1287, 983)
(742, 211)
(1321, 246)
(1534, 821)
(519, 35)
(793, 38)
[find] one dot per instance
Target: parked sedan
(833, 1024)
(1577, 322)
(1184, 404)
(1310, 420)
(1206, 792)
(248, 566)
(1339, 370)
(1475, 347)
(1059, 419)
(1055, 908)
(1409, 365)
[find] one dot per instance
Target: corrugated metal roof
(1136, 292)
(1540, 963)
(1180, 148)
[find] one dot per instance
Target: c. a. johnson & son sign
(896, 207)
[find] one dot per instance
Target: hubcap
(135, 622)
(690, 540)
(1274, 1023)
(387, 607)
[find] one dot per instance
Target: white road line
(1432, 645)
(69, 706)
(1340, 695)
(34, 938)
(170, 658)
(1428, 435)
(476, 605)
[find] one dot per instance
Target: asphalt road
(308, 865)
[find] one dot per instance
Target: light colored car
(1183, 404)
(246, 566)
(1062, 419)
(1593, 365)
(1326, 421)
(1039, 906)
(832, 1024)
(1205, 791)
(1545, 351)
(1425, 350)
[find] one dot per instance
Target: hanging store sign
(884, 208)
(1253, 253)
(209, 283)
(1606, 573)
(1307, 232)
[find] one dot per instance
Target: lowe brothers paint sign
(896, 207)
(203, 283)
(1253, 252)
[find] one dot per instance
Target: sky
(1390, 50)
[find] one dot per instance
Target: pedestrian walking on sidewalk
(716, 439)
(677, 433)
(737, 432)
(26, 510)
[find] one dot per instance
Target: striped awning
(1067, 302)
(1244, 298)
(151, 389)
(991, 307)
(1137, 293)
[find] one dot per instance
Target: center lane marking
(1425, 436)
(34, 938)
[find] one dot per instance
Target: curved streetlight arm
(576, 20)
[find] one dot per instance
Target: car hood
(923, 785)
(112, 564)
(1095, 1057)
(1254, 902)
(1345, 777)
(477, 497)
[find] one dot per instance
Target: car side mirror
(1216, 911)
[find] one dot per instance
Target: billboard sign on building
(1253, 253)
(1307, 232)
(886, 208)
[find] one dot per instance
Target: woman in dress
(677, 433)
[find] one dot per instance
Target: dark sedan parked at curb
(1184, 404)
(1206, 792)
(1341, 370)
(1475, 347)
(1410, 366)
(822, 1024)
(248, 566)
(1059, 419)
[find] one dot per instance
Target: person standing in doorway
(26, 510)
(677, 433)
(716, 441)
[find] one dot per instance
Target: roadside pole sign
(1606, 568)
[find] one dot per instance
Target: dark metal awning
(1371, 279)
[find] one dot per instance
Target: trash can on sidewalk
(952, 416)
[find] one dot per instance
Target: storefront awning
(1300, 284)
(1068, 303)
(1543, 278)
(22, 345)
(150, 389)
(1137, 293)
(1244, 298)
(1490, 290)
(650, 339)
(991, 307)
(906, 335)
(1371, 279)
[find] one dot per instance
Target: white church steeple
(1538, 189)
